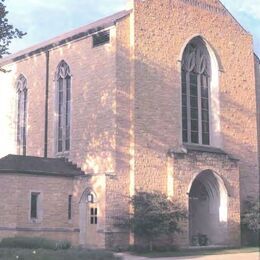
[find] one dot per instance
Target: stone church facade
(163, 96)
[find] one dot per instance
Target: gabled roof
(81, 32)
(233, 17)
(66, 37)
(38, 166)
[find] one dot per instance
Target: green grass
(45, 254)
(199, 252)
(34, 243)
(36, 248)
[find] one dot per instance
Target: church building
(163, 96)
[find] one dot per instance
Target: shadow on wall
(155, 114)
(146, 115)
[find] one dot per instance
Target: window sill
(203, 148)
(100, 45)
(187, 148)
(35, 221)
(63, 154)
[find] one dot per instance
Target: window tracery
(196, 73)
(21, 87)
(63, 81)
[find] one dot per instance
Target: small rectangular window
(93, 216)
(69, 206)
(34, 205)
(101, 38)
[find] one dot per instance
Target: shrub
(250, 217)
(250, 221)
(34, 243)
(154, 215)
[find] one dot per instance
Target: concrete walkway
(238, 256)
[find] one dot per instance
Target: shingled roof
(38, 166)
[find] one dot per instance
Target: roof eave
(73, 35)
(40, 173)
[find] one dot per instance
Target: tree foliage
(251, 217)
(7, 31)
(154, 215)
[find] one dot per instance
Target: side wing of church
(162, 97)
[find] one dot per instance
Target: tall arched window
(21, 86)
(63, 84)
(196, 73)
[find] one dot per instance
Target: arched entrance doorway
(88, 219)
(207, 210)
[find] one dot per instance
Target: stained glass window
(196, 72)
(21, 87)
(63, 80)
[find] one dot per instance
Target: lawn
(200, 252)
(45, 254)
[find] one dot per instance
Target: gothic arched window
(21, 87)
(196, 73)
(63, 84)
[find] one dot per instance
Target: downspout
(46, 106)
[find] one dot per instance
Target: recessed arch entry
(208, 208)
(200, 69)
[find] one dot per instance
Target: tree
(7, 31)
(153, 215)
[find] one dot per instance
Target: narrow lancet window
(21, 87)
(63, 79)
(196, 72)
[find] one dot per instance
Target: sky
(45, 19)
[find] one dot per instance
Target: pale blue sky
(44, 19)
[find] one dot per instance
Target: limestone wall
(8, 204)
(186, 167)
(52, 210)
(34, 71)
(93, 103)
(118, 187)
(162, 30)
(126, 110)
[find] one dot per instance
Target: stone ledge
(188, 148)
